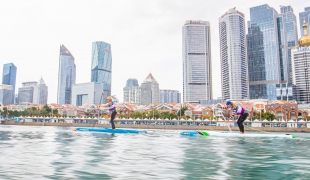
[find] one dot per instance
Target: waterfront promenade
(165, 127)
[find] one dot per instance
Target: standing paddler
(240, 111)
(112, 109)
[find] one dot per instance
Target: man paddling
(112, 109)
(240, 111)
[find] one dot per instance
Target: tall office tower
(197, 67)
(66, 76)
(90, 93)
(101, 67)
(301, 66)
(25, 93)
(304, 15)
(6, 92)
(170, 96)
(233, 55)
(264, 53)
(9, 77)
(40, 92)
(288, 38)
(149, 91)
(132, 92)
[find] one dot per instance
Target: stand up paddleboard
(109, 130)
(216, 133)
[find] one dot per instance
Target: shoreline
(165, 127)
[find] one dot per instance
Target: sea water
(30, 152)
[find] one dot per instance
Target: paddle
(228, 124)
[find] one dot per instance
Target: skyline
(145, 37)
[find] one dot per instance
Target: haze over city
(145, 36)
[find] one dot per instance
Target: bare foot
(241, 133)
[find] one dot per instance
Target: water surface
(29, 152)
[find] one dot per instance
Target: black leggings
(112, 119)
(240, 121)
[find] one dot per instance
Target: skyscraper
(196, 53)
(132, 92)
(264, 78)
(149, 91)
(40, 92)
(66, 76)
(288, 38)
(301, 66)
(9, 77)
(25, 93)
(233, 55)
(101, 67)
(304, 15)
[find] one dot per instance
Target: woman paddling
(112, 109)
(240, 111)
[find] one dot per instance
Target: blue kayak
(109, 130)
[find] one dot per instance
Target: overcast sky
(145, 36)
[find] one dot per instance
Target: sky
(145, 36)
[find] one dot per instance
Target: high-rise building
(264, 78)
(301, 66)
(90, 93)
(25, 93)
(304, 15)
(101, 67)
(149, 91)
(6, 92)
(233, 55)
(66, 76)
(196, 55)
(288, 38)
(9, 77)
(170, 96)
(271, 36)
(40, 92)
(132, 92)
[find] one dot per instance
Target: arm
(105, 95)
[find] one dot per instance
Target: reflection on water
(59, 153)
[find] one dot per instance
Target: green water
(60, 153)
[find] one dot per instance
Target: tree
(268, 115)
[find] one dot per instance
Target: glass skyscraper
(305, 15)
(233, 55)
(101, 67)
(197, 67)
(66, 76)
(9, 77)
(170, 96)
(149, 91)
(40, 92)
(271, 36)
(264, 18)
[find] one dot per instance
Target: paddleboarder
(240, 111)
(112, 109)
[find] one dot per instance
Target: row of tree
(45, 111)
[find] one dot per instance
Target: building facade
(170, 96)
(90, 93)
(40, 92)
(301, 67)
(233, 55)
(132, 92)
(197, 66)
(9, 77)
(25, 93)
(264, 79)
(101, 67)
(149, 91)
(304, 15)
(66, 76)
(6, 92)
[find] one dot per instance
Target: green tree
(268, 115)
